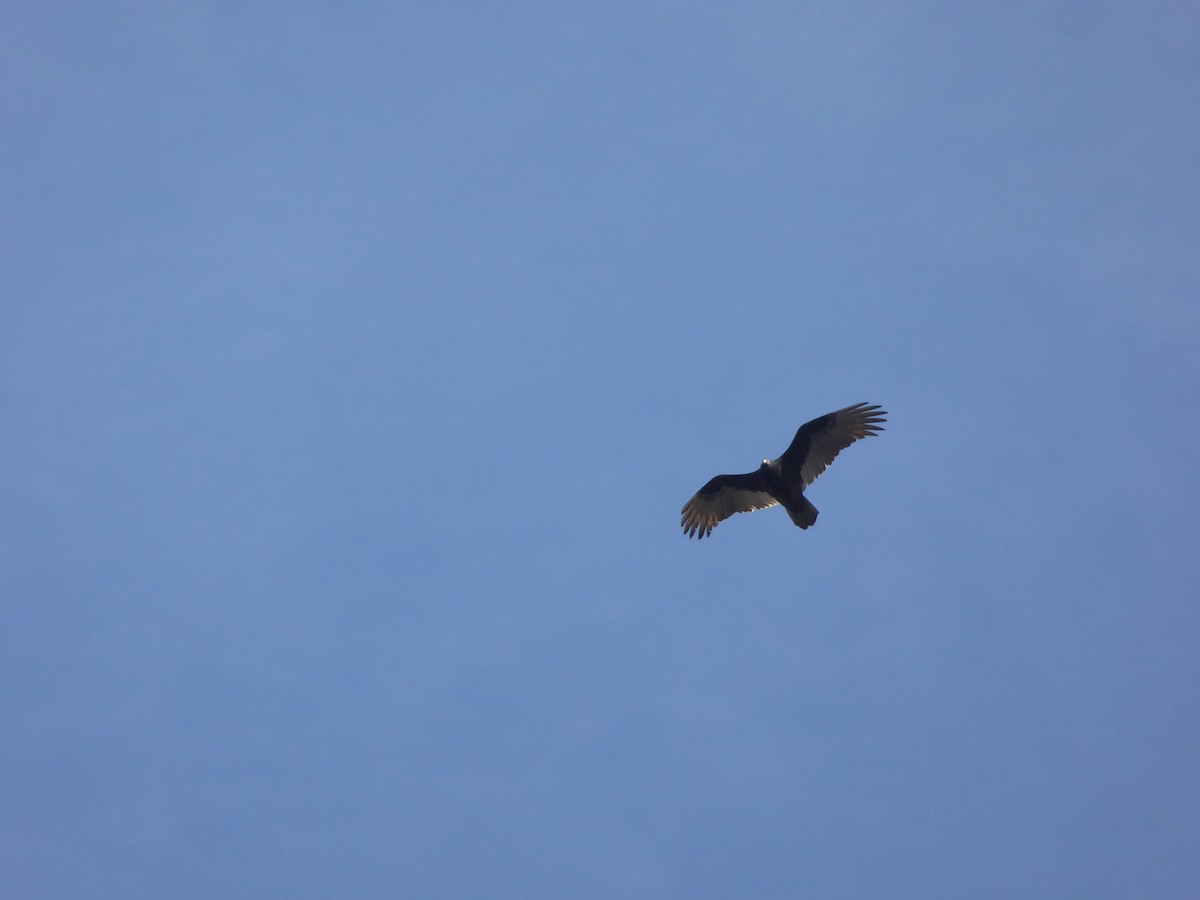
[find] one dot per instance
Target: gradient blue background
(358, 358)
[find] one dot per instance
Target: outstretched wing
(819, 441)
(720, 499)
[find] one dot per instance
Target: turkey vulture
(783, 480)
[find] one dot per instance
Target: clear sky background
(357, 358)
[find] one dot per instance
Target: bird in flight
(784, 480)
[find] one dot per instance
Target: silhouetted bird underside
(783, 481)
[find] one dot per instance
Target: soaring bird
(783, 480)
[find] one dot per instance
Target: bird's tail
(802, 513)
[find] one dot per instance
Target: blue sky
(356, 360)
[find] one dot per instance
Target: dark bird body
(784, 480)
